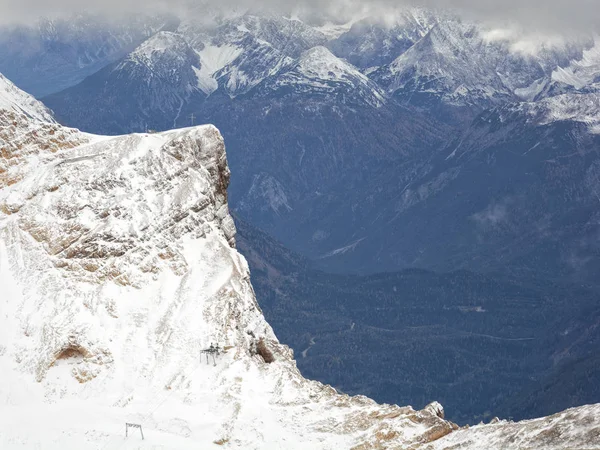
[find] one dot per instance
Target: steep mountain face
(155, 80)
(515, 193)
(362, 179)
(118, 266)
(458, 68)
(368, 44)
(55, 54)
(480, 344)
(15, 100)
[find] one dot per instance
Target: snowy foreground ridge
(118, 266)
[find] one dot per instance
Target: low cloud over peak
(546, 17)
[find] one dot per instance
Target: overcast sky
(543, 15)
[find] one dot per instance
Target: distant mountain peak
(319, 62)
(167, 47)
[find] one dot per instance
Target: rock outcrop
(118, 268)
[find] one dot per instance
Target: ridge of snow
(213, 58)
(13, 98)
(583, 72)
(320, 70)
(159, 43)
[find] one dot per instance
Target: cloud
(494, 215)
(544, 16)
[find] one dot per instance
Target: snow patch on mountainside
(213, 58)
(159, 43)
(266, 190)
(334, 30)
(320, 63)
(584, 108)
(570, 107)
(583, 72)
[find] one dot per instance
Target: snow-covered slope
(368, 43)
(14, 99)
(464, 64)
(576, 428)
(320, 72)
(118, 267)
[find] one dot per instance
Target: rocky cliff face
(118, 264)
(340, 142)
(118, 267)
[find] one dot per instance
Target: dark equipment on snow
(212, 351)
(133, 425)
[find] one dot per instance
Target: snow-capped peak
(14, 99)
(158, 44)
(581, 72)
(319, 72)
(320, 63)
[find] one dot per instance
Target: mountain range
(119, 268)
(360, 160)
(431, 143)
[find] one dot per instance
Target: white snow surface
(319, 70)
(118, 266)
(13, 98)
(159, 43)
(213, 58)
(583, 72)
(320, 63)
(576, 428)
(573, 107)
